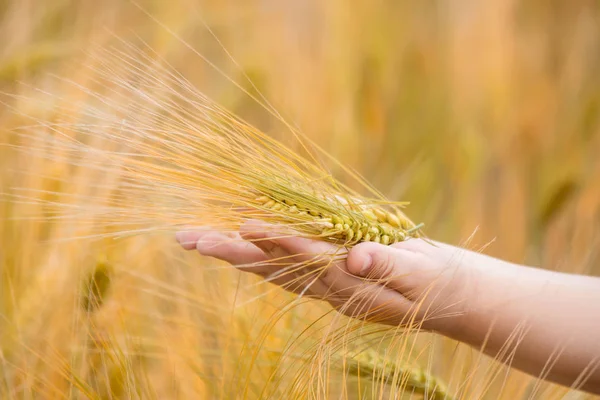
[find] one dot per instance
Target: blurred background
(484, 115)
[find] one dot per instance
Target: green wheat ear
(408, 378)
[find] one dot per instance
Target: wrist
(454, 310)
(459, 305)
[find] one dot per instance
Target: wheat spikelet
(406, 377)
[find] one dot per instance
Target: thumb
(395, 268)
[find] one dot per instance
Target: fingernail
(366, 265)
(180, 236)
(187, 239)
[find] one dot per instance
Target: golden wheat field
(484, 115)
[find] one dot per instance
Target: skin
(544, 323)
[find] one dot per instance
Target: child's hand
(412, 282)
(537, 317)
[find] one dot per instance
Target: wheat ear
(406, 377)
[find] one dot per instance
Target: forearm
(543, 322)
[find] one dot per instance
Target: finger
(291, 252)
(272, 239)
(231, 248)
(400, 269)
(188, 239)
(327, 261)
(247, 257)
